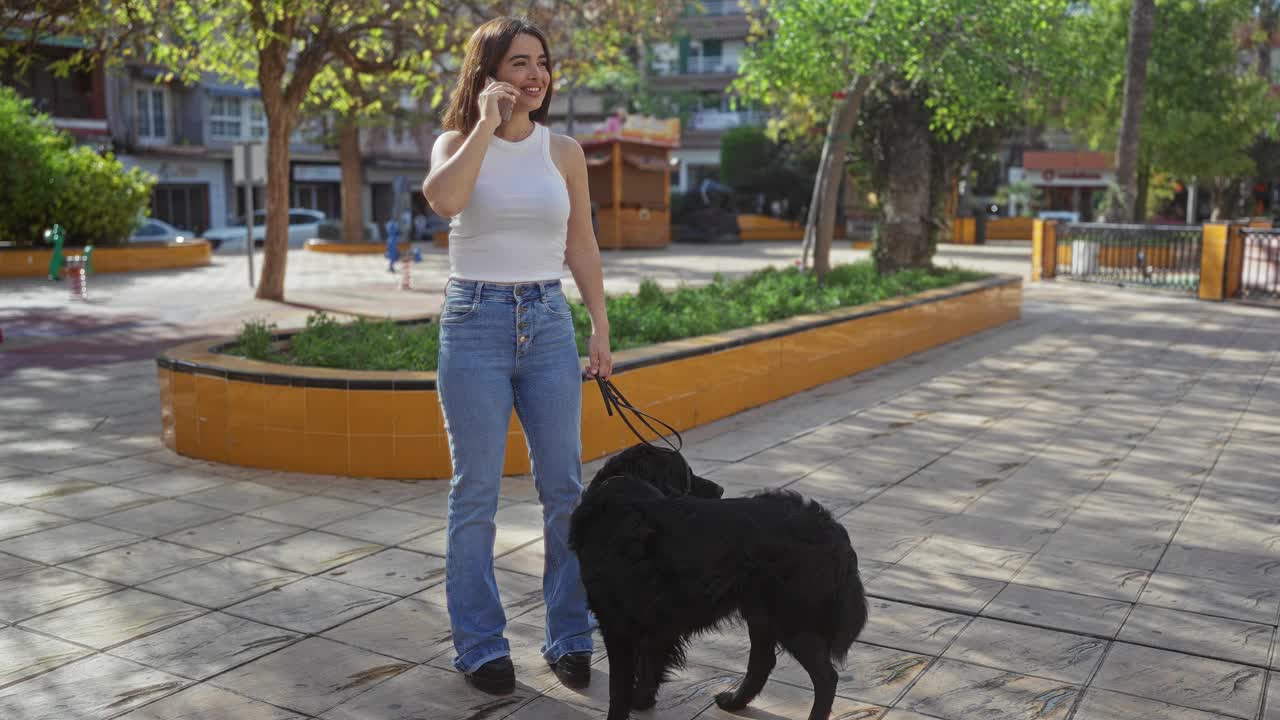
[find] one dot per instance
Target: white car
(152, 230)
(303, 225)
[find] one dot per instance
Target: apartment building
(184, 134)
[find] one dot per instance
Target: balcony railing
(722, 120)
(721, 7)
(712, 65)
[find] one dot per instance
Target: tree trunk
(1140, 211)
(905, 241)
(275, 252)
(826, 187)
(349, 156)
(1141, 28)
(570, 111)
(1267, 21)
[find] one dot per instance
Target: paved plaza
(1072, 516)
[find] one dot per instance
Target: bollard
(76, 278)
(406, 279)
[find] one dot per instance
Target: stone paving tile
(1178, 679)
(871, 673)
(136, 564)
(292, 677)
(240, 497)
(410, 630)
(93, 502)
(36, 591)
(1214, 565)
(115, 471)
(15, 521)
(1058, 610)
(310, 512)
(888, 546)
(67, 543)
(112, 619)
(1199, 634)
(1106, 705)
(428, 692)
(990, 532)
(530, 559)
(959, 691)
(385, 493)
(205, 646)
(780, 700)
(393, 571)
(311, 552)
(222, 582)
(946, 555)
(97, 687)
(385, 526)
(1029, 650)
(687, 694)
(311, 605)
(233, 535)
(1103, 547)
(911, 628)
(24, 654)
(205, 702)
(162, 517)
(1271, 710)
(173, 482)
(1083, 577)
(949, 591)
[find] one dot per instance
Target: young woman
(517, 196)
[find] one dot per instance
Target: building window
(257, 119)
(152, 114)
(225, 117)
(236, 118)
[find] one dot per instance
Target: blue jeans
(503, 346)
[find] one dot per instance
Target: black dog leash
(614, 399)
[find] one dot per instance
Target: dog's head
(666, 470)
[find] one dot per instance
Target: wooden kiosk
(629, 171)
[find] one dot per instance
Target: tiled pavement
(1074, 516)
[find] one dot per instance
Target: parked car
(303, 225)
(153, 230)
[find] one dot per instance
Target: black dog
(663, 559)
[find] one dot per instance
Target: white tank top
(516, 225)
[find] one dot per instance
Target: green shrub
(47, 180)
(650, 316)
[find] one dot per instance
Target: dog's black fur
(663, 559)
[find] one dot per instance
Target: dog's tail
(851, 607)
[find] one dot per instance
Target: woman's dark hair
(485, 50)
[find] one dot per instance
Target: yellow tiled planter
(137, 257)
(389, 424)
(346, 248)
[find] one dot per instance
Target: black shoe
(574, 669)
(496, 677)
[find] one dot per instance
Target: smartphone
(505, 105)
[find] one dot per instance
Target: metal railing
(1159, 256)
(710, 65)
(1260, 275)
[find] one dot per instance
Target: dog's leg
(647, 670)
(622, 674)
(759, 665)
(813, 653)
(653, 659)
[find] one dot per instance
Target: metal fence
(1159, 256)
(1260, 275)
